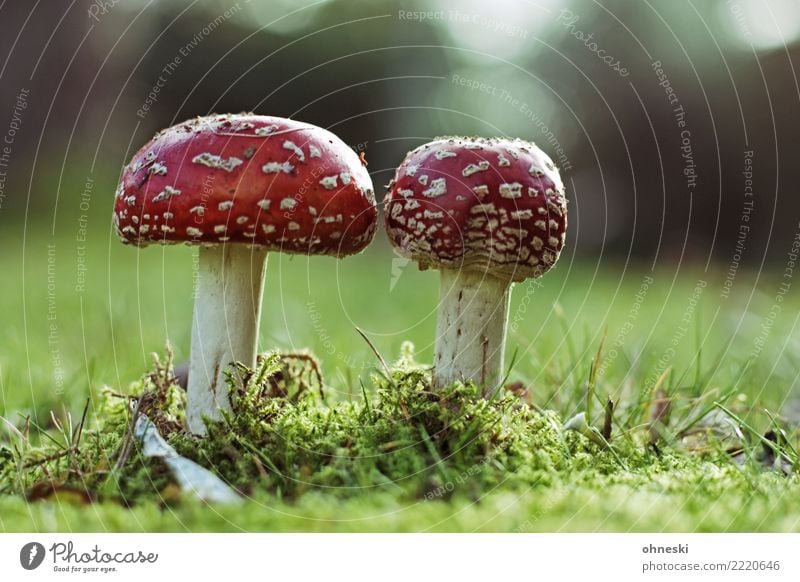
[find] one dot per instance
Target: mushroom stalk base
(227, 311)
(471, 328)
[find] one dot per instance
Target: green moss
(407, 438)
(402, 443)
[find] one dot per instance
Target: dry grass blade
(79, 431)
(127, 442)
(659, 408)
(590, 389)
(609, 420)
(378, 355)
(13, 429)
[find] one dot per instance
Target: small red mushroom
(240, 186)
(486, 213)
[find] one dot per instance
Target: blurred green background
(668, 254)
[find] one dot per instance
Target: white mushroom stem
(227, 310)
(471, 328)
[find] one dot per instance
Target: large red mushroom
(240, 186)
(486, 213)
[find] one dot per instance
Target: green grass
(62, 345)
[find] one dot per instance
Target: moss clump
(404, 440)
(282, 439)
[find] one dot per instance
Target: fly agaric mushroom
(486, 213)
(240, 186)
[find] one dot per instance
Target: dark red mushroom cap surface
(246, 178)
(472, 203)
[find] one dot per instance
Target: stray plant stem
(609, 418)
(47, 459)
(127, 443)
(79, 432)
(378, 355)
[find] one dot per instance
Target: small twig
(660, 408)
(49, 458)
(309, 359)
(127, 443)
(378, 355)
(27, 431)
(79, 432)
(609, 419)
(120, 395)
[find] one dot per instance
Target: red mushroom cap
(494, 205)
(266, 181)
